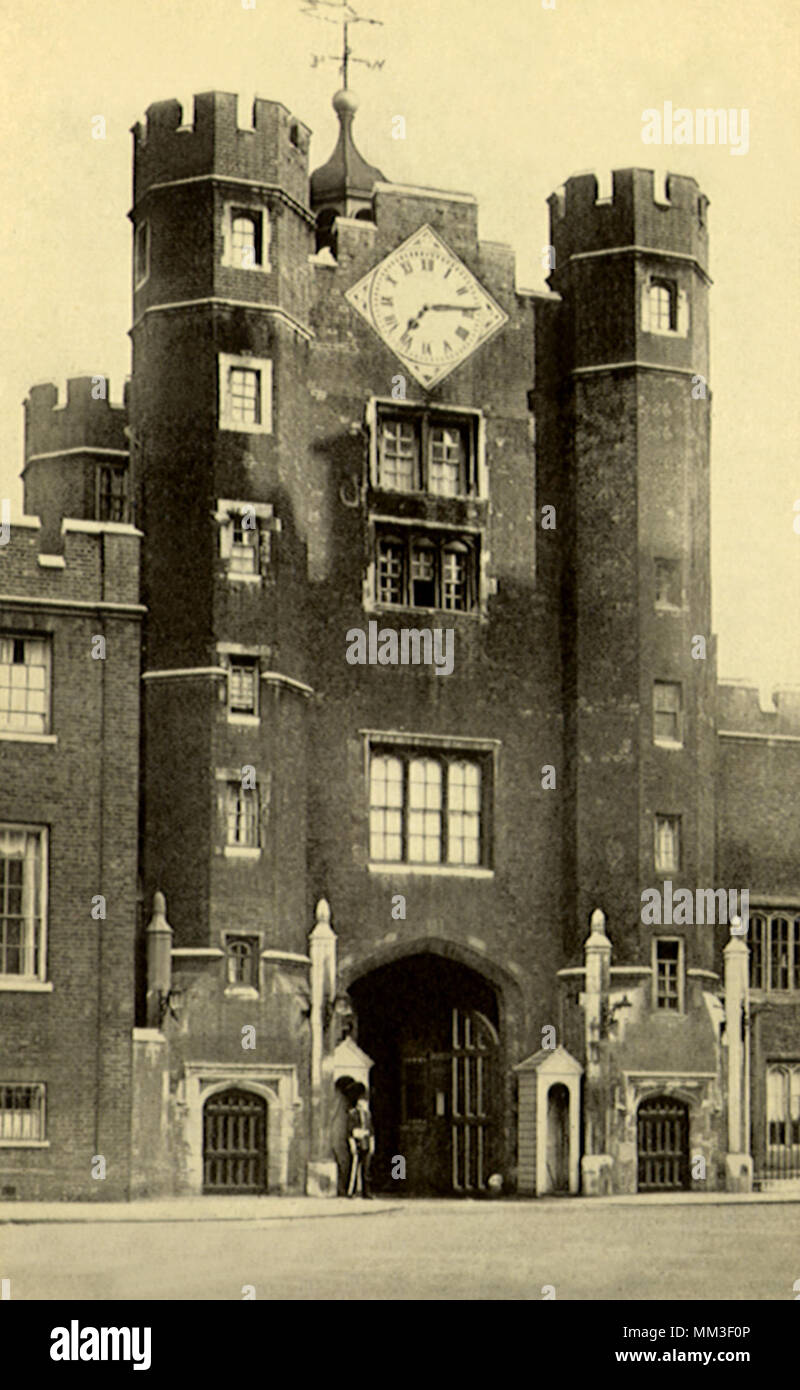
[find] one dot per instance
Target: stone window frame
(228, 509)
(251, 990)
(445, 750)
(659, 994)
(228, 362)
(426, 417)
(679, 306)
(232, 208)
(441, 540)
(678, 822)
(762, 949)
(226, 778)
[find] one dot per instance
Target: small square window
(667, 716)
(667, 844)
(245, 394)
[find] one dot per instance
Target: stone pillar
(159, 961)
(596, 1164)
(738, 1163)
(321, 1173)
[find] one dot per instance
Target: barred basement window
(427, 570)
(24, 684)
(427, 809)
(774, 941)
(21, 1111)
(242, 961)
(23, 877)
(667, 974)
(241, 815)
(783, 1109)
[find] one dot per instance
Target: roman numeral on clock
(462, 332)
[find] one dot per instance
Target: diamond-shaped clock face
(426, 306)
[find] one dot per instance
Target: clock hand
(462, 308)
(414, 323)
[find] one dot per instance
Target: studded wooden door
(663, 1135)
(234, 1142)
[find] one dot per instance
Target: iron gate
(663, 1145)
(234, 1142)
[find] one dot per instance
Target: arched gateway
(431, 1025)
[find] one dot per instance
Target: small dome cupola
(343, 187)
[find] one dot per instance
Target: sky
(505, 101)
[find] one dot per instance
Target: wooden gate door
(663, 1135)
(234, 1142)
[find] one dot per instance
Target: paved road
(420, 1250)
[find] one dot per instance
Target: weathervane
(347, 17)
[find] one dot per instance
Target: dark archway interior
(428, 1023)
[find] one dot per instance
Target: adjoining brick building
(346, 422)
(70, 643)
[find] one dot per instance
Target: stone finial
(597, 929)
(158, 920)
(322, 920)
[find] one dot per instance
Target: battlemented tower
(639, 655)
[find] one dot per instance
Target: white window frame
(228, 362)
(445, 755)
(29, 981)
(469, 418)
(142, 230)
(44, 735)
(26, 1142)
(657, 940)
(662, 740)
(233, 208)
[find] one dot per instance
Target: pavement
(276, 1208)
